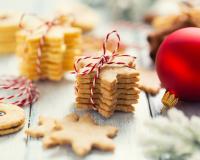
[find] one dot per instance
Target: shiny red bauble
(178, 63)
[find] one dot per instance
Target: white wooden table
(57, 100)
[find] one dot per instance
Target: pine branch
(174, 137)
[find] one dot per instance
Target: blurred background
(129, 17)
(114, 9)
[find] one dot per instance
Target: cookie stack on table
(47, 65)
(116, 88)
(48, 53)
(8, 28)
(73, 41)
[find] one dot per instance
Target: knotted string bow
(103, 60)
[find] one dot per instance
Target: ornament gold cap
(169, 100)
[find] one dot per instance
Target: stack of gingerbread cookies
(41, 61)
(47, 52)
(116, 89)
(8, 29)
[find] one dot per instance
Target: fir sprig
(175, 137)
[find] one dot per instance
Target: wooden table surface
(57, 100)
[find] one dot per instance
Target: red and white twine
(23, 91)
(105, 59)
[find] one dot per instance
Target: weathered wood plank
(57, 100)
(155, 103)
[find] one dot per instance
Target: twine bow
(105, 59)
(27, 92)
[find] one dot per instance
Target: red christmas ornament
(178, 63)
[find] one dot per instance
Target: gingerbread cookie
(11, 130)
(76, 131)
(149, 81)
(122, 93)
(47, 52)
(45, 125)
(116, 85)
(12, 118)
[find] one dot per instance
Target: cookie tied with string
(107, 83)
(47, 48)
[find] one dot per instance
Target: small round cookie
(11, 130)
(11, 116)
